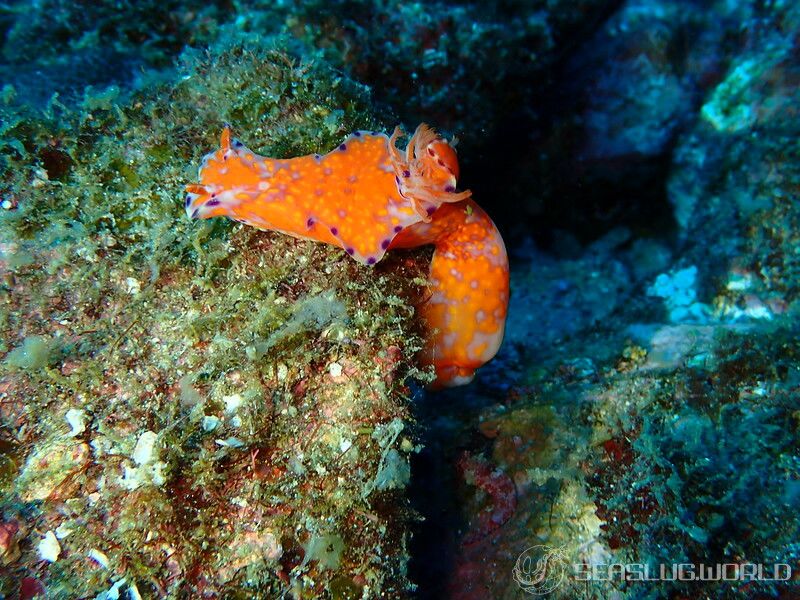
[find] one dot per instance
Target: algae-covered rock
(734, 176)
(203, 421)
(649, 465)
(53, 462)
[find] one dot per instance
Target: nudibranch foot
(451, 376)
(367, 196)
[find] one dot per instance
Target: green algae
(32, 355)
(325, 549)
(314, 313)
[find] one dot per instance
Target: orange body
(367, 196)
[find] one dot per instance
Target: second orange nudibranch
(367, 196)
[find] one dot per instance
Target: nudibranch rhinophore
(367, 196)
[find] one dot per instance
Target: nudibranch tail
(469, 287)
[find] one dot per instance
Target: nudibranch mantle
(367, 196)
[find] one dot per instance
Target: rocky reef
(194, 409)
(203, 410)
(651, 416)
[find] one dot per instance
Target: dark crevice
(446, 428)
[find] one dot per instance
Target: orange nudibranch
(367, 196)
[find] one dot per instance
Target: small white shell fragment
(49, 548)
(76, 419)
(99, 557)
(63, 531)
(145, 451)
(133, 286)
(210, 423)
(152, 473)
(283, 372)
(231, 442)
(335, 369)
(232, 403)
(112, 593)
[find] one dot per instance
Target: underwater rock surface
(194, 411)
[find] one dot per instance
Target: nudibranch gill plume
(367, 196)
